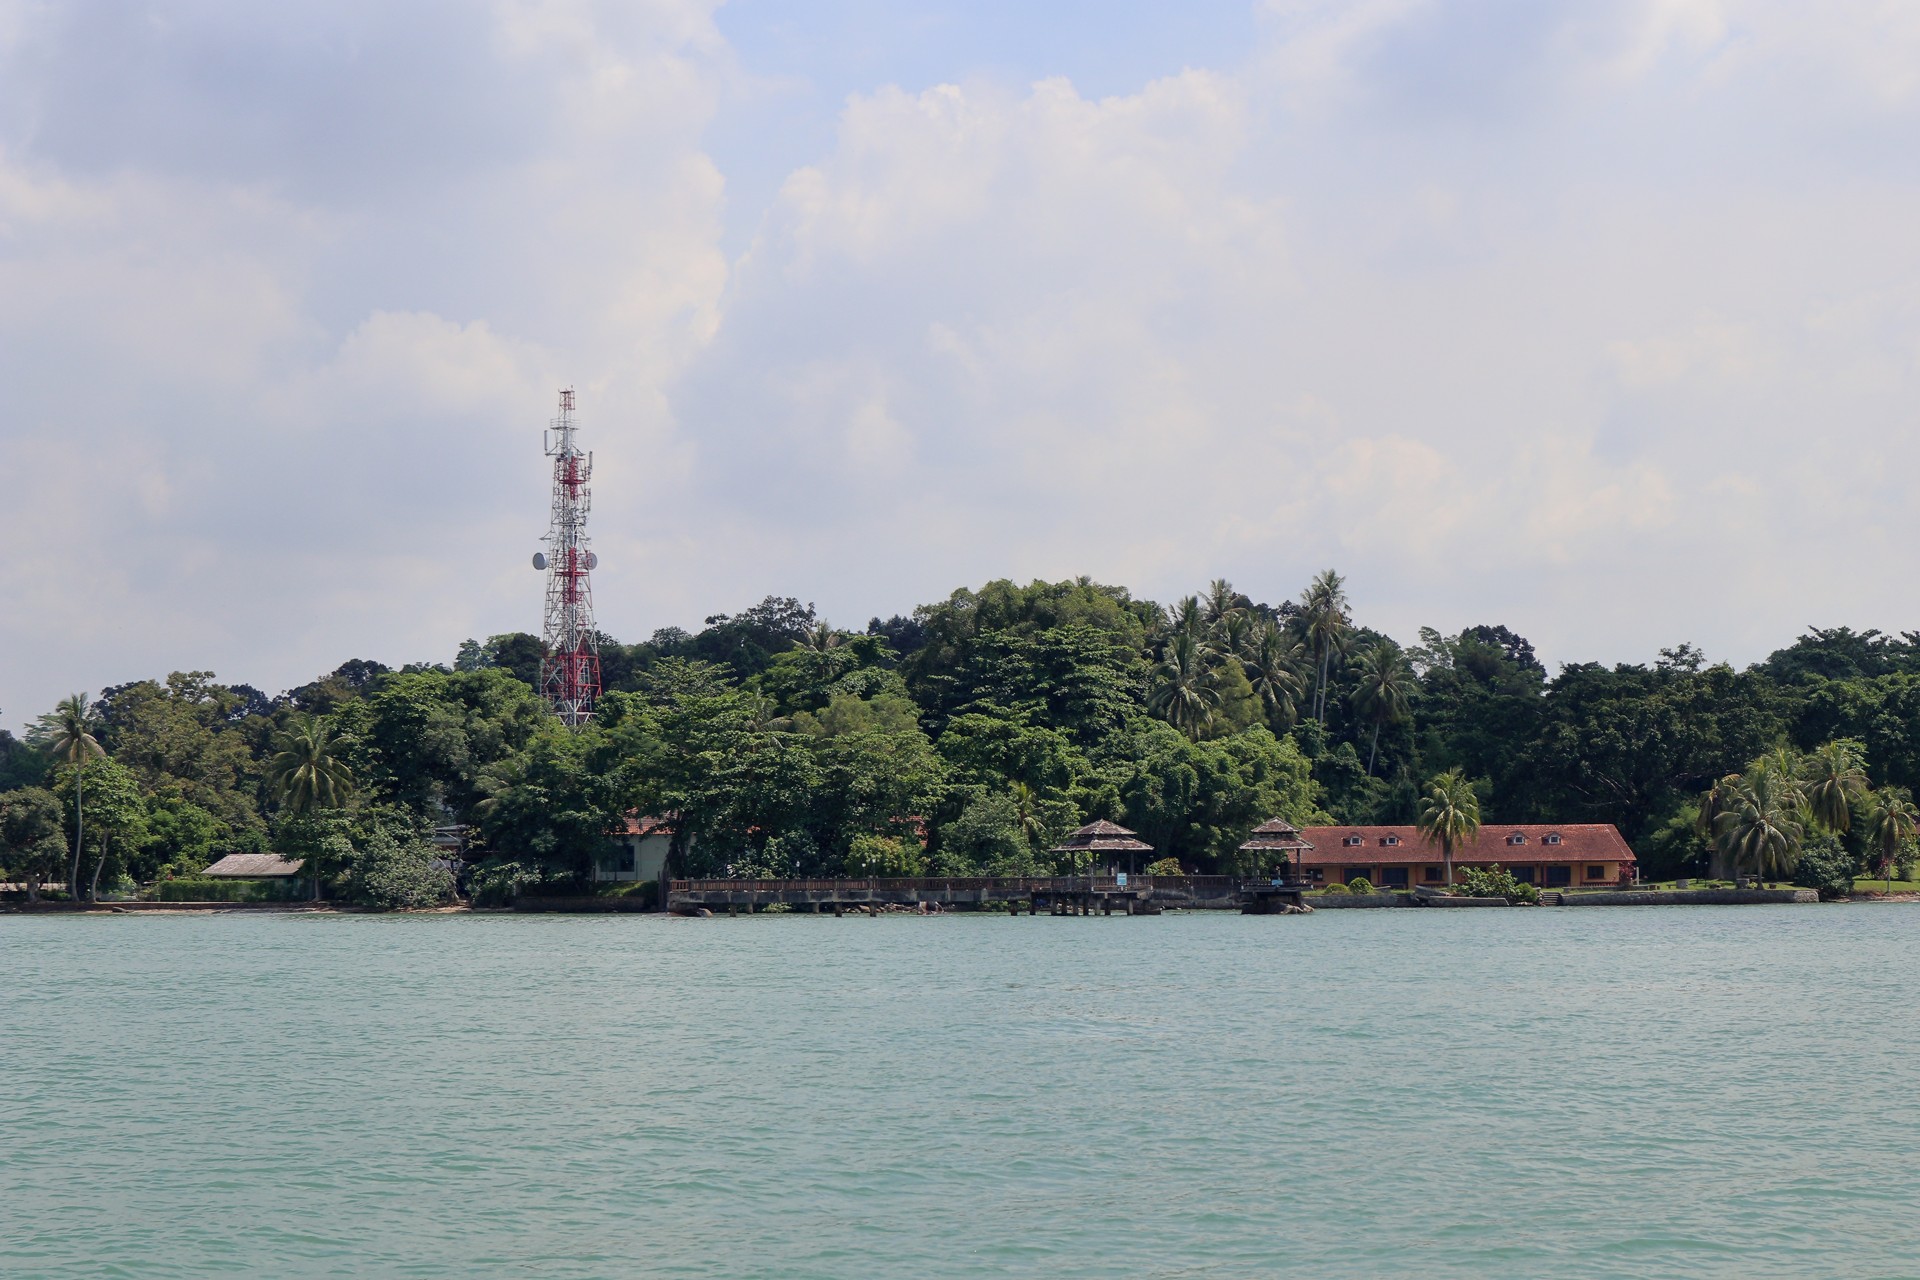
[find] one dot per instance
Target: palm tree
(1890, 824)
(1450, 815)
(1760, 821)
(1233, 635)
(1188, 618)
(1026, 811)
(66, 733)
(1713, 802)
(1386, 688)
(306, 772)
(1222, 602)
(1833, 778)
(1185, 692)
(1272, 669)
(1323, 613)
(822, 637)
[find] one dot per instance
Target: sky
(1599, 320)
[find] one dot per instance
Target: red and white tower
(570, 669)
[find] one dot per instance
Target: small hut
(1102, 837)
(255, 866)
(1277, 836)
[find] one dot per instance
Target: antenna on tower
(570, 665)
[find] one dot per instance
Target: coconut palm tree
(1714, 801)
(1386, 688)
(1027, 815)
(1188, 618)
(1891, 824)
(1185, 692)
(1234, 634)
(1760, 823)
(66, 733)
(1833, 778)
(1450, 815)
(822, 637)
(1273, 669)
(306, 772)
(1222, 601)
(1323, 614)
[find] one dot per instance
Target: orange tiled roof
(1579, 842)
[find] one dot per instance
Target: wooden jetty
(1103, 895)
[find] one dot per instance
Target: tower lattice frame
(570, 666)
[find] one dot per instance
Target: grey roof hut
(1277, 836)
(255, 866)
(1103, 837)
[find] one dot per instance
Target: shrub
(497, 883)
(648, 891)
(392, 875)
(1493, 882)
(1359, 884)
(873, 855)
(1335, 887)
(206, 889)
(1826, 865)
(1165, 867)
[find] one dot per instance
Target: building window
(1432, 875)
(1393, 877)
(1559, 876)
(1354, 873)
(1516, 838)
(1523, 874)
(1596, 872)
(1552, 839)
(1351, 841)
(1389, 840)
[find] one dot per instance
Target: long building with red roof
(1556, 857)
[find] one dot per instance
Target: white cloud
(1579, 318)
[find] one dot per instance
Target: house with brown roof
(1566, 856)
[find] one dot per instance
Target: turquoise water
(1595, 1092)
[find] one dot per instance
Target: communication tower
(570, 666)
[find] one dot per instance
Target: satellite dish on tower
(593, 561)
(539, 559)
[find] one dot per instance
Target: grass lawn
(1867, 884)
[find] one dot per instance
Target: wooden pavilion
(1275, 841)
(1102, 837)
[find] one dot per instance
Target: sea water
(1675, 1091)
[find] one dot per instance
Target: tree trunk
(33, 888)
(1447, 850)
(79, 829)
(93, 890)
(1373, 750)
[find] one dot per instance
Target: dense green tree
(188, 733)
(32, 848)
(117, 822)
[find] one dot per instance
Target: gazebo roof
(1277, 835)
(1103, 837)
(255, 866)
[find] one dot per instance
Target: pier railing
(949, 884)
